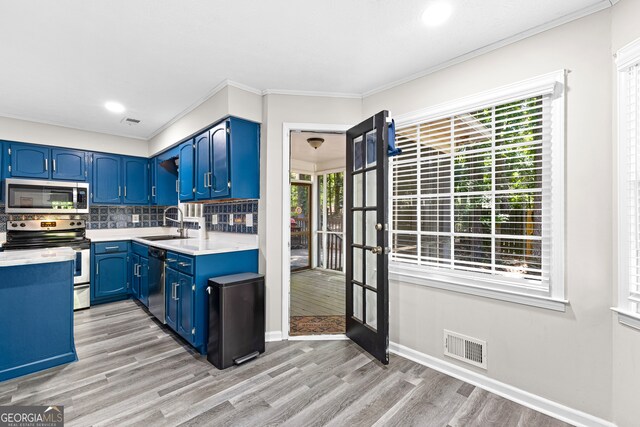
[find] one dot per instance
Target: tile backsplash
(106, 217)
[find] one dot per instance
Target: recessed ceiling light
(114, 107)
(436, 13)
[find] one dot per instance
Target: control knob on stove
(72, 223)
(22, 224)
(15, 224)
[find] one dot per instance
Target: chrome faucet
(181, 229)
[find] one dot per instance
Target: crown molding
(597, 7)
(311, 93)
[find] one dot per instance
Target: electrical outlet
(249, 220)
(135, 219)
(230, 219)
(214, 219)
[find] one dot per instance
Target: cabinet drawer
(140, 249)
(110, 247)
(172, 260)
(185, 264)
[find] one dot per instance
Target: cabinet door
(136, 181)
(171, 291)
(186, 298)
(106, 180)
(110, 275)
(2, 170)
(153, 180)
(30, 161)
(185, 172)
(135, 279)
(143, 272)
(220, 161)
(68, 165)
(202, 173)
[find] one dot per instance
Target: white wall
(40, 133)
(281, 109)
(565, 357)
(626, 341)
(228, 100)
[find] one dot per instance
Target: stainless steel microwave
(39, 196)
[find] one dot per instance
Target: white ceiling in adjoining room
(332, 150)
(63, 60)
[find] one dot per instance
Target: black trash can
(236, 319)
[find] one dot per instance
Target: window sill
(627, 318)
(399, 273)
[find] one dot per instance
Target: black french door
(367, 282)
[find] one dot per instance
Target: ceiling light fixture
(315, 142)
(114, 107)
(436, 13)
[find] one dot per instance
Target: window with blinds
(471, 194)
(629, 136)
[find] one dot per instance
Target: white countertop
(36, 256)
(216, 243)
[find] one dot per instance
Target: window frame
(627, 57)
(490, 286)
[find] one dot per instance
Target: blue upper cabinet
(244, 159)
(164, 178)
(220, 183)
(202, 174)
(186, 172)
(3, 167)
(136, 181)
(106, 181)
(68, 165)
(154, 164)
(30, 161)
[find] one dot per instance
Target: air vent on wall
(467, 349)
(129, 121)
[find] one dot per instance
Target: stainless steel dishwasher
(157, 303)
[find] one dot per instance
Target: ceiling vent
(466, 349)
(129, 121)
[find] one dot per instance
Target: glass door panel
(300, 220)
(331, 221)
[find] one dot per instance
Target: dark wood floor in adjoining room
(133, 372)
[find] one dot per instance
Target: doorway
(317, 244)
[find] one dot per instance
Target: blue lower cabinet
(110, 273)
(171, 289)
(135, 279)
(186, 297)
(143, 271)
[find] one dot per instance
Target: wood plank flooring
(317, 293)
(132, 371)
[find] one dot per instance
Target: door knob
(379, 227)
(377, 250)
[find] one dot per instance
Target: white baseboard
(273, 336)
(530, 400)
(337, 337)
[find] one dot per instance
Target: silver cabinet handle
(210, 174)
(171, 260)
(153, 190)
(108, 248)
(204, 179)
(125, 191)
(184, 264)
(177, 286)
(119, 191)
(46, 164)
(177, 186)
(53, 164)
(97, 268)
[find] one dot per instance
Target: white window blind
(630, 188)
(472, 194)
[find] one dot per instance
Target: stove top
(40, 234)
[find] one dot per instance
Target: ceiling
(333, 147)
(62, 60)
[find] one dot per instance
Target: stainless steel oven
(39, 196)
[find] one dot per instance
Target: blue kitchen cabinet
(68, 165)
(186, 298)
(143, 272)
(164, 178)
(29, 161)
(110, 272)
(135, 279)
(172, 278)
(154, 163)
(3, 167)
(136, 181)
(106, 179)
(202, 172)
(186, 172)
(220, 183)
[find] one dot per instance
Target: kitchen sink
(165, 237)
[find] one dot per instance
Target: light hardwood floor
(132, 371)
(317, 293)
